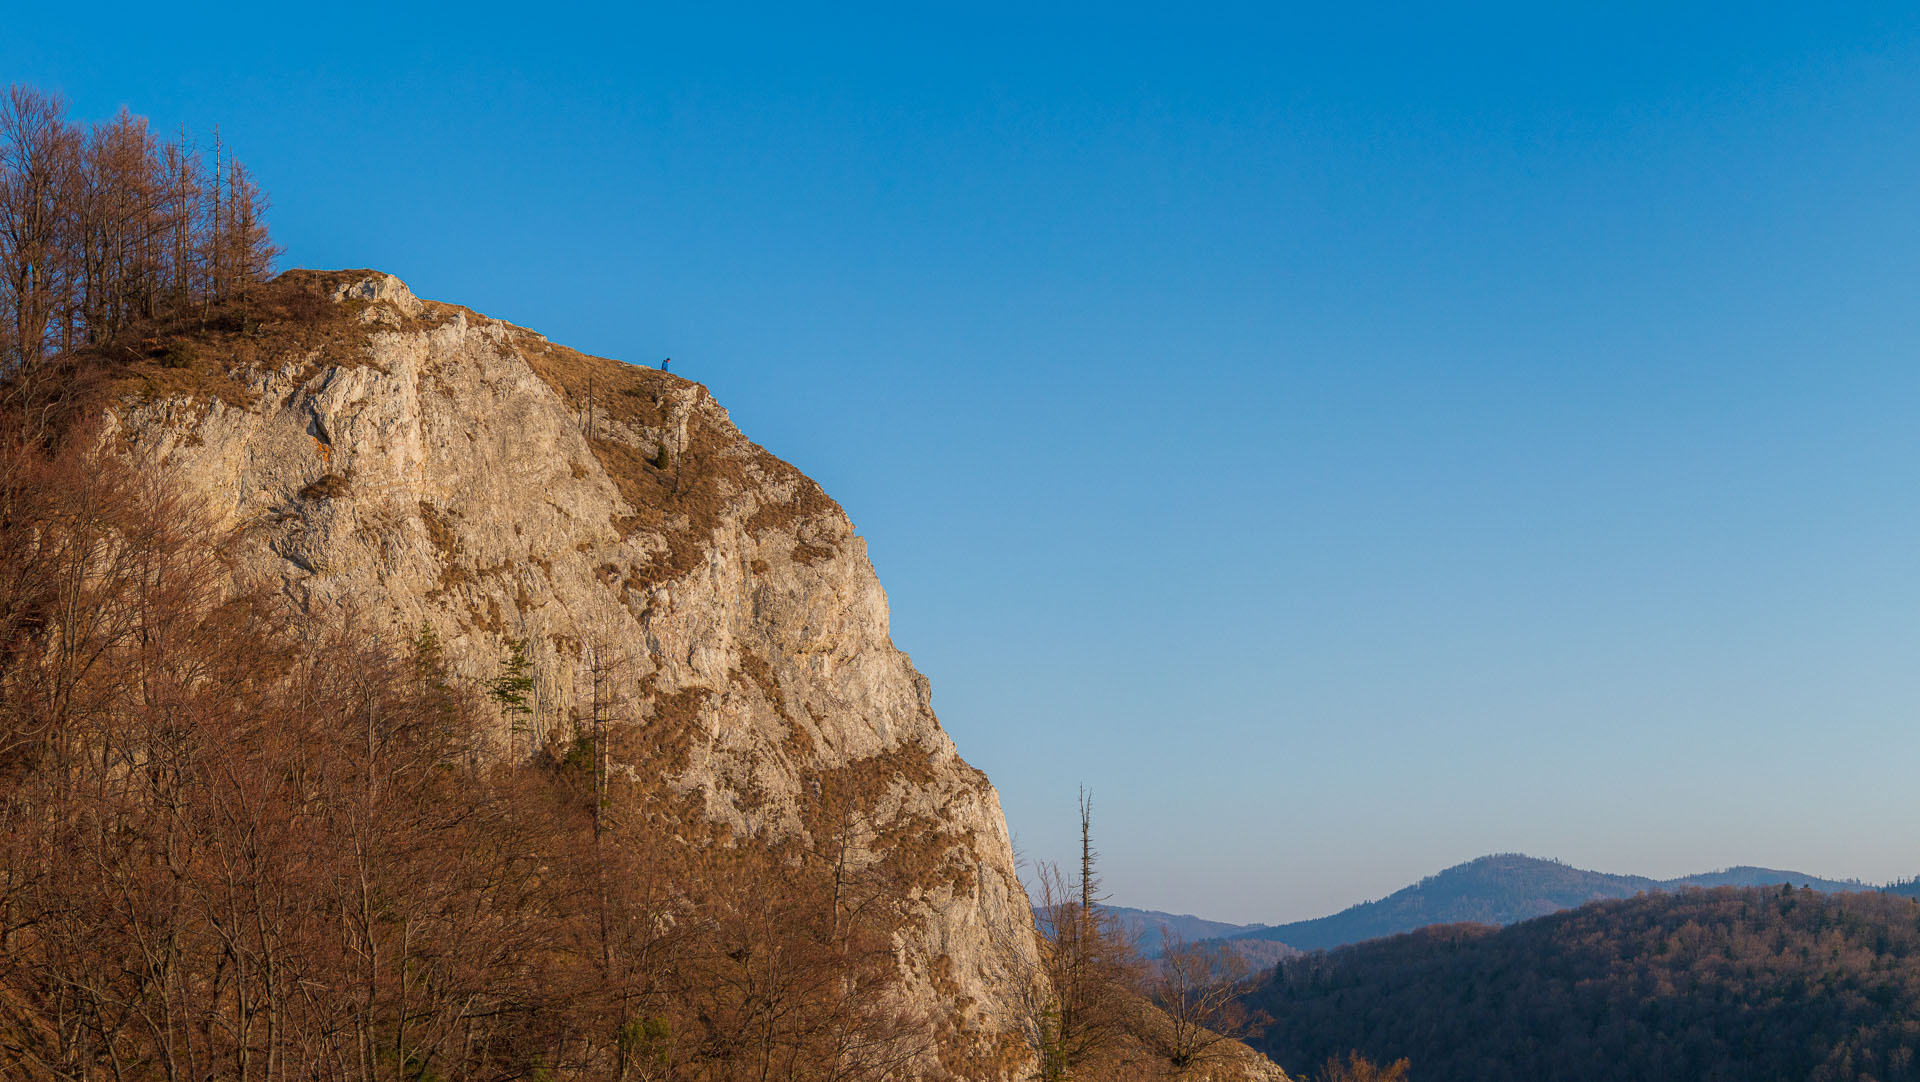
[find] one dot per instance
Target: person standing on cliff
(665, 363)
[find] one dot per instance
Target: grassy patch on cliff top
(681, 490)
(209, 350)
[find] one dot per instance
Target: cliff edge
(415, 464)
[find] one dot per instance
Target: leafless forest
(105, 225)
(240, 843)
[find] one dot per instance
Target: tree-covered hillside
(1725, 985)
(1502, 889)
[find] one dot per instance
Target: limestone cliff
(416, 463)
(406, 463)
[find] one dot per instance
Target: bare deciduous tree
(1085, 1005)
(238, 845)
(36, 185)
(1197, 988)
(101, 227)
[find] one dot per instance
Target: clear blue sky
(1348, 439)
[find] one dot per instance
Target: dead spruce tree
(1079, 1017)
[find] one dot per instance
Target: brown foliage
(240, 847)
(1358, 1068)
(1080, 1019)
(1197, 988)
(103, 226)
(1097, 1012)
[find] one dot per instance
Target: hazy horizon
(1256, 921)
(1349, 442)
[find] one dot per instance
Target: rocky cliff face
(413, 463)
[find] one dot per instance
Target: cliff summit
(418, 465)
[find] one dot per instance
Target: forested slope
(388, 693)
(1726, 985)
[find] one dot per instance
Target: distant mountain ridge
(1506, 888)
(1148, 928)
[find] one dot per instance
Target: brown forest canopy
(236, 844)
(239, 843)
(1727, 985)
(104, 225)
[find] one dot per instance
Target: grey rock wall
(442, 469)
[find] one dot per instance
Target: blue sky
(1349, 440)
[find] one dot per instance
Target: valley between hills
(392, 693)
(1512, 968)
(1497, 890)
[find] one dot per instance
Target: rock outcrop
(416, 464)
(409, 465)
